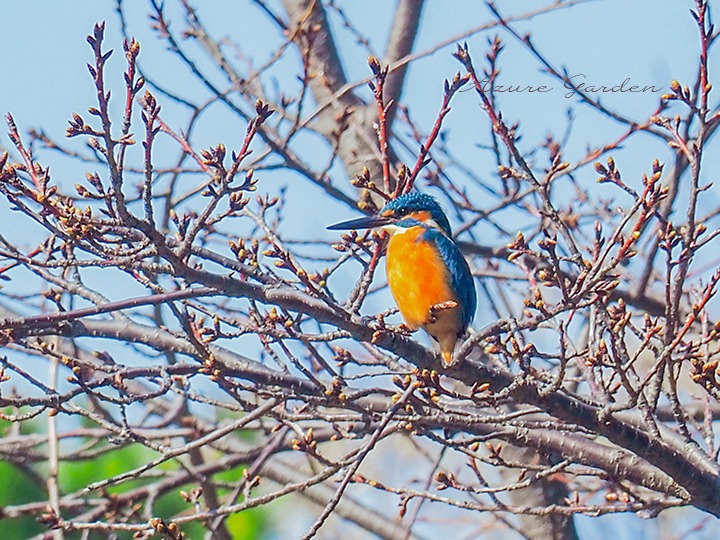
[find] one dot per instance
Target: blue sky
(648, 41)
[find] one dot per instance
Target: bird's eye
(404, 211)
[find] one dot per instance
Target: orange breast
(417, 276)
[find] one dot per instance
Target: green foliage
(76, 475)
(17, 488)
(249, 524)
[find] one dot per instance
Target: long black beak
(367, 222)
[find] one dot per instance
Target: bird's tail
(447, 358)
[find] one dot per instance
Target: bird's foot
(437, 308)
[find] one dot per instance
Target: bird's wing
(462, 281)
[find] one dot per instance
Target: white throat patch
(393, 229)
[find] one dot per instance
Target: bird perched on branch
(428, 276)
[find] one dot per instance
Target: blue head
(404, 211)
(418, 207)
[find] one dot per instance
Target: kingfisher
(428, 276)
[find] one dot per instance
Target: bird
(428, 276)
